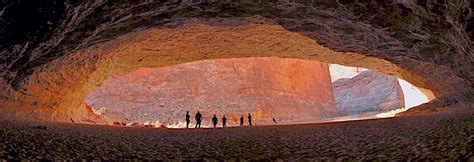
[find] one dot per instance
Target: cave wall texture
(53, 53)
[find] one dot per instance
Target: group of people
(198, 118)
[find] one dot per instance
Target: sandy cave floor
(439, 135)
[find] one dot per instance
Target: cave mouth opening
(291, 91)
(59, 90)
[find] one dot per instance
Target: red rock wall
(289, 89)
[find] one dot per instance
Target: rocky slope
(368, 92)
(288, 89)
(428, 43)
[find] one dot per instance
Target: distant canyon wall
(287, 89)
(369, 91)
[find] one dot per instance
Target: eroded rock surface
(49, 65)
(368, 92)
(288, 89)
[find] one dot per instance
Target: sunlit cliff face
(58, 90)
(287, 89)
(290, 90)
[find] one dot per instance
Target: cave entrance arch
(60, 88)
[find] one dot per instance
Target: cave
(58, 90)
(362, 80)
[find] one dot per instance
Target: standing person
(224, 121)
(242, 120)
(198, 120)
(250, 120)
(214, 120)
(274, 120)
(188, 120)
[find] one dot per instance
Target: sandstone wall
(368, 92)
(288, 89)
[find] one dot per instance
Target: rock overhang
(59, 85)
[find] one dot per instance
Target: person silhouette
(274, 120)
(242, 120)
(224, 121)
(198, 120)
(188, 120)
(250, 120)
(214, 120)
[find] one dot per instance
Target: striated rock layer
(368, 92)
(287, 89)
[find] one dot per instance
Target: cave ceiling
(53, 55)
